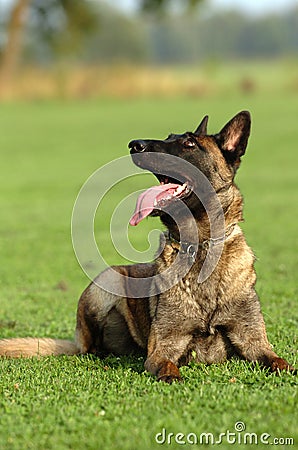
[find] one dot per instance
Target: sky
(251, 6)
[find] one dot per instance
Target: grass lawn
(48, 150)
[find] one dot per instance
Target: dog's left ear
(202, 128)
(232, 139)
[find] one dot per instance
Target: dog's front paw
(168, 373)
(169, 378)
(280, 364)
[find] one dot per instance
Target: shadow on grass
(132, 362)
(234, 371)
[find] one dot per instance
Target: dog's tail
(27, 347)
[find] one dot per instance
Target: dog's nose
(137, 146)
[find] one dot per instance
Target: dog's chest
(195, 299)
(189, 302)
(187, 305)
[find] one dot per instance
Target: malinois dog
(177, 318)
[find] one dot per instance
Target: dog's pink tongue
(146, 200)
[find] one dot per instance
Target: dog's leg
(248, 335)
(93, 309)
(101, 328)
(164, 352)
(109, 323)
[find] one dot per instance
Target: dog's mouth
(159, 197)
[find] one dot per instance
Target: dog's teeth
(180, 189)
(155, 203)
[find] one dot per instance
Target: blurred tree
(119, 38)
(163, 5)
(62, 23)
(13, 48)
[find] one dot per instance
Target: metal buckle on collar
(186, 248)
(205, 245)
(191, 252)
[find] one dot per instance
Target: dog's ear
(232, 139)
(202, 128)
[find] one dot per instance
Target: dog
(176, 318)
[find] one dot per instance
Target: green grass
(47, 152)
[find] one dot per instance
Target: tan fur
(28, 347)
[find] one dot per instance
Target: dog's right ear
(234, 135)
(202, 128)
(232, 139)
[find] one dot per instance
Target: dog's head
(217, 157)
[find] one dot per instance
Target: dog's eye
(189, 143)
